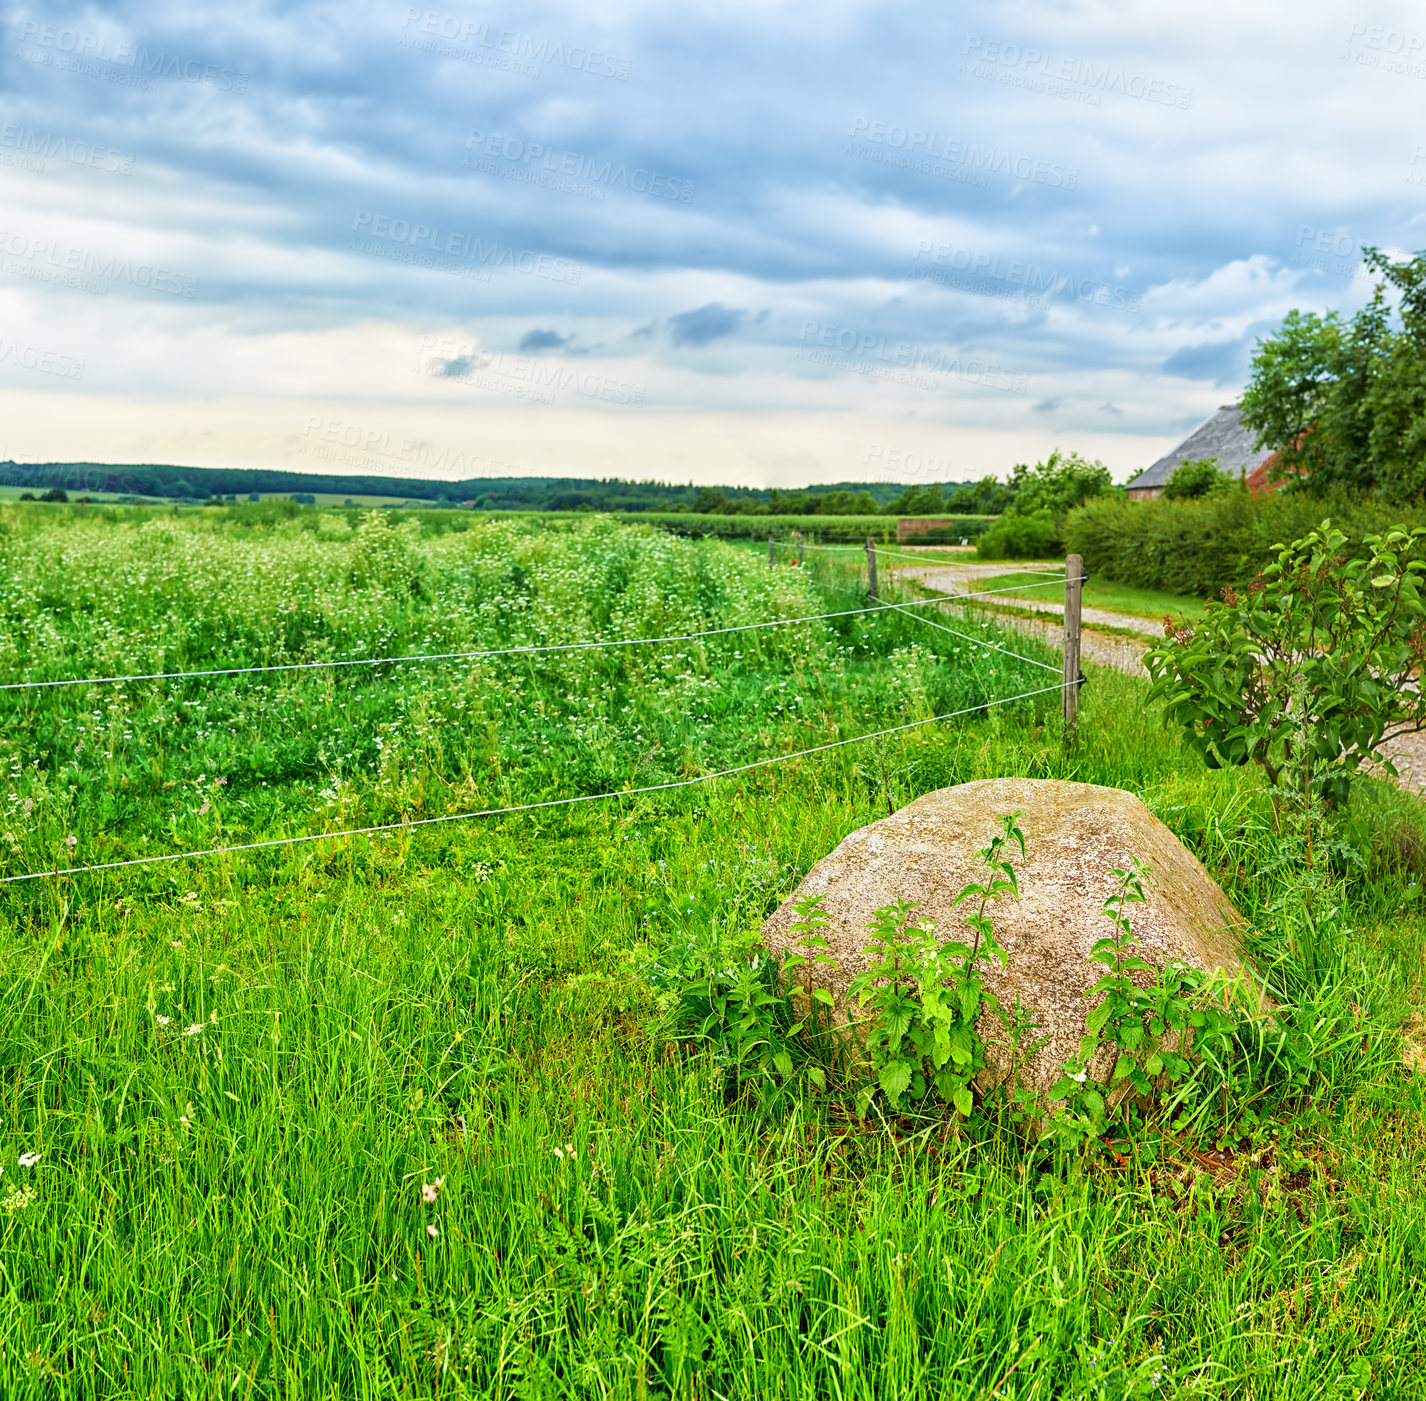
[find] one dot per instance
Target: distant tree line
(1052, 487)
(986, 497)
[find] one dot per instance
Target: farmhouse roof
(1223, 437)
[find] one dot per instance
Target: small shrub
(1148, 1029)
(1311, 669)
(1191, 480)
(1035, 536)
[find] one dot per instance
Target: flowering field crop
(402, 1116)
(112, 771)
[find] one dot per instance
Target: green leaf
(963, 1102)
(824, 997)
(1094, 1024)
(894, 1078)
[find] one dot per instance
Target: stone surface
(1075, 834)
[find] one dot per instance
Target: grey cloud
(543, 340)
(705, 324)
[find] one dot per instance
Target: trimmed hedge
(1198, 547)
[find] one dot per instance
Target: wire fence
(410, 824)
(589, 645)
(920, 559)
(981, 642)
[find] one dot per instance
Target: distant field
(745, 527)
(831, 529)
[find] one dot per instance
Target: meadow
(408, 1115)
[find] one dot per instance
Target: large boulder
(1075, 834)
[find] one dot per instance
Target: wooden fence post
(1074, 580)
(769, 552)
(871, 566)
(800, 538)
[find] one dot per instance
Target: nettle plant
(1148, 1029)
(1311, 669)
(925, 997)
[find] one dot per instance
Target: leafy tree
(987, 497)
(1194, 479)
(838, 503)
(1039, 499)
(1344, 402)
(919, 501)
(1058, 484)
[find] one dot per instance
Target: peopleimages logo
(507, 49)
(535, 157)
(1329, 251)
(523, 376)
(426, 243)
(898, 362)
(47, 261)
(931, 258)
(82, 50)
(35, 357)
(928, 146)
(355, 445)
(26, 141)
(1038, 71)
(890, 464)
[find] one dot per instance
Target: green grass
(238, 1211)
(1149, 604)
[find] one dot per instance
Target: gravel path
(964, 578)
(1125, 654)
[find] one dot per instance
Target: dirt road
(1097, 647)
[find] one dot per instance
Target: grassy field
(403, 1116)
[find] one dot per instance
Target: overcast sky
(763, 243)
